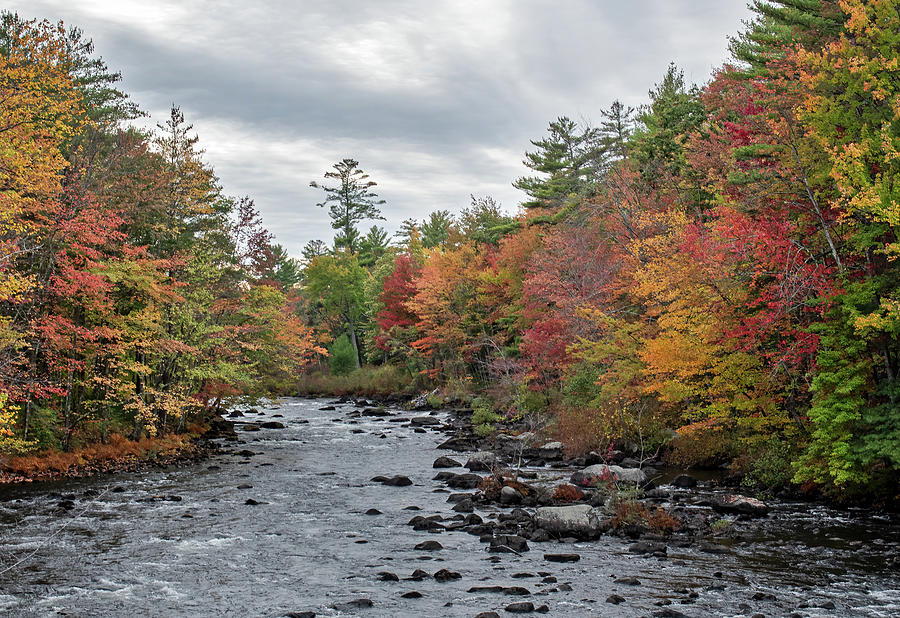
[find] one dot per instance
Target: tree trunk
(355, 345)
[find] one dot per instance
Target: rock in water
(464, 481)
(354, 604)
(596, 473)
(394, 481)
(628, 581)
(520, 608)
(740, 505)
(446, 462)
(445, 576)
(577, 521)
(562, 557)
(685, 481)
(482, 461)
(510, 495)
(647, 547)
(512, 543)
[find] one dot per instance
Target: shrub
(767, 468)
(579, 429)
(721, 526)
(484, 417)
(706, 443)
(567, 493)
(378, 381)
(342, 359)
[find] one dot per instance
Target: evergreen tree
(436, 228)
(569, 158)
(779, 24)
(349, 202)
(615, 131)
(372, 246)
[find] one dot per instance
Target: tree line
(135, 295)
(714, 273)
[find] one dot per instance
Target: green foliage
(349, 201)
(569, 158)
(484, 417)
(721, 526)
(770, 467)
(674, 111)
(580, 388)
(436, 228)
(369, 381)
(342, 356)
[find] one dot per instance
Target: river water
(184, 542)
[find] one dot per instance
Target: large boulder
(740, 505)
(550, 450)
(593, 474)
(577, 521)
(482, 461)
(445, 462)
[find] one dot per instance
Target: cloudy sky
(437, 100)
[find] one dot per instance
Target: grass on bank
(117, 450)
(381, 381)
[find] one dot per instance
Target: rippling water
(310, 545)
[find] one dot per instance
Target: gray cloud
(436, 100)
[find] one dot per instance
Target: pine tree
(349, 202)
(569, 157)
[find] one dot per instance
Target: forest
(712, 275)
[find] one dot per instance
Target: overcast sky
(437, 100)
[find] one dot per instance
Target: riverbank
(119, 454)
(324, 506)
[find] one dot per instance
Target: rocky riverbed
(324, 508)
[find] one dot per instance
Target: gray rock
(445, 462)
(510, 495)
(591, 474)
(647, 547)
(508, 543)
(422, 421)
(562, 558)
(464, 506)
(464, 481)
(351, 605)
(578, 521)
(520, 608)
(741, 505)
(482, 461)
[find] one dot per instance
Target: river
(184, 541)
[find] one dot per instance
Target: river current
(189, 541)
